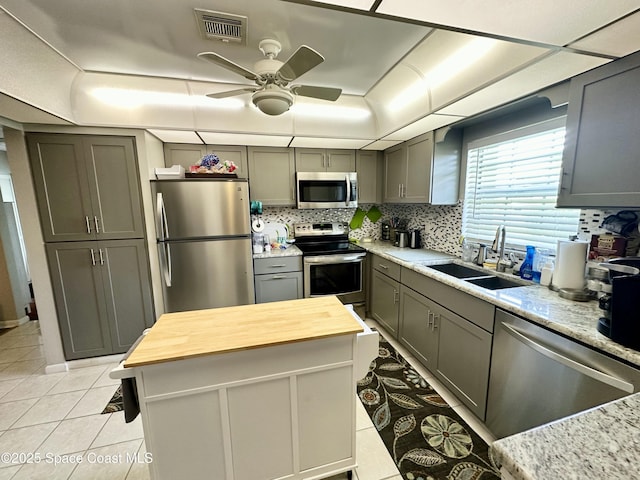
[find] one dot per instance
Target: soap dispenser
(526, 270)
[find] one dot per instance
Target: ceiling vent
(225, 27)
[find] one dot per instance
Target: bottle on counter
(526, 270)
(546, 273)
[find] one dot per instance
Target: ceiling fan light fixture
(273, 101)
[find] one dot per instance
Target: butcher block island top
(182, 335)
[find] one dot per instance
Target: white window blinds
(512, 180)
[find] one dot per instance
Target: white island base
(284, 411)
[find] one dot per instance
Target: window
(512, 180)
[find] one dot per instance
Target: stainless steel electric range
(332, 264)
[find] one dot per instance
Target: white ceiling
(374, 56)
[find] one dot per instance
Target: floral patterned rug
(115, 404)
(425, 437)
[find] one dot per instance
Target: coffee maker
(621, 320)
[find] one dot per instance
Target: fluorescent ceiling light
(216, 138)
(381, 144)
(317, 142)
(358, 4)
(329, 111)
(127, 98)
(459, 61)
(426, 124)
(175, 136)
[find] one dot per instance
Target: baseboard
(56, 368)
(14, 323)
(90, 362)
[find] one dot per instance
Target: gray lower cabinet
(278, 279)
(87, 186)
(463, 359)
(418, 329)
(103, 295)
(600, 159)
(385, 293)
(272, 173)
(451, 333)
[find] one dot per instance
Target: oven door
(341, 275)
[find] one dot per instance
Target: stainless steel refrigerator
(204, 241)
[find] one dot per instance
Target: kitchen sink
(494, 283)
(458, 271)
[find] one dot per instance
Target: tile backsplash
(439, 225)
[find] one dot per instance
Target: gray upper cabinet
(103, 295)
(187, 154)
(369, 170)
(602, 145)
(408, 171)
(325, 160)
(87, 187)
(272, 175)
(419, 171)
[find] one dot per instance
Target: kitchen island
(261, 391)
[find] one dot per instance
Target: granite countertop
(601, 443)
(290, 251)
(577, 320)
(180, 335)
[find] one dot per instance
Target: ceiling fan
(272, 94)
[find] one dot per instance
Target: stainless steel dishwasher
(538, 376)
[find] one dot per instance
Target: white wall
(28, 211)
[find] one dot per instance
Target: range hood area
(449, 69)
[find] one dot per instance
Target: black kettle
(414, 239)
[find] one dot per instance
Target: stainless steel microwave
(327, 189)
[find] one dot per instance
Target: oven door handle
(326, 259)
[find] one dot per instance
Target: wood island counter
(255, 392)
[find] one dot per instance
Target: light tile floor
(56, 418)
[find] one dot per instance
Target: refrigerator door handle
(162, 225)
(168, 272)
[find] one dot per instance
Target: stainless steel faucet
(501, 233)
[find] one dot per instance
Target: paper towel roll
(571, 260)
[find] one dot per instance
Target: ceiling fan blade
(229, 65)
(323, 93)
(231, 93)
(302, 60)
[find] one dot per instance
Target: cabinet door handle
(429, 318)
(87, 223)
(328, 160)
(101, 256)
(93, 257)
(396, 297)
(277, 266)
(278, 277)
(383, 266)
(399, 190)
(435, 321)
(404, 193)
(95, 221)
(323, 162)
